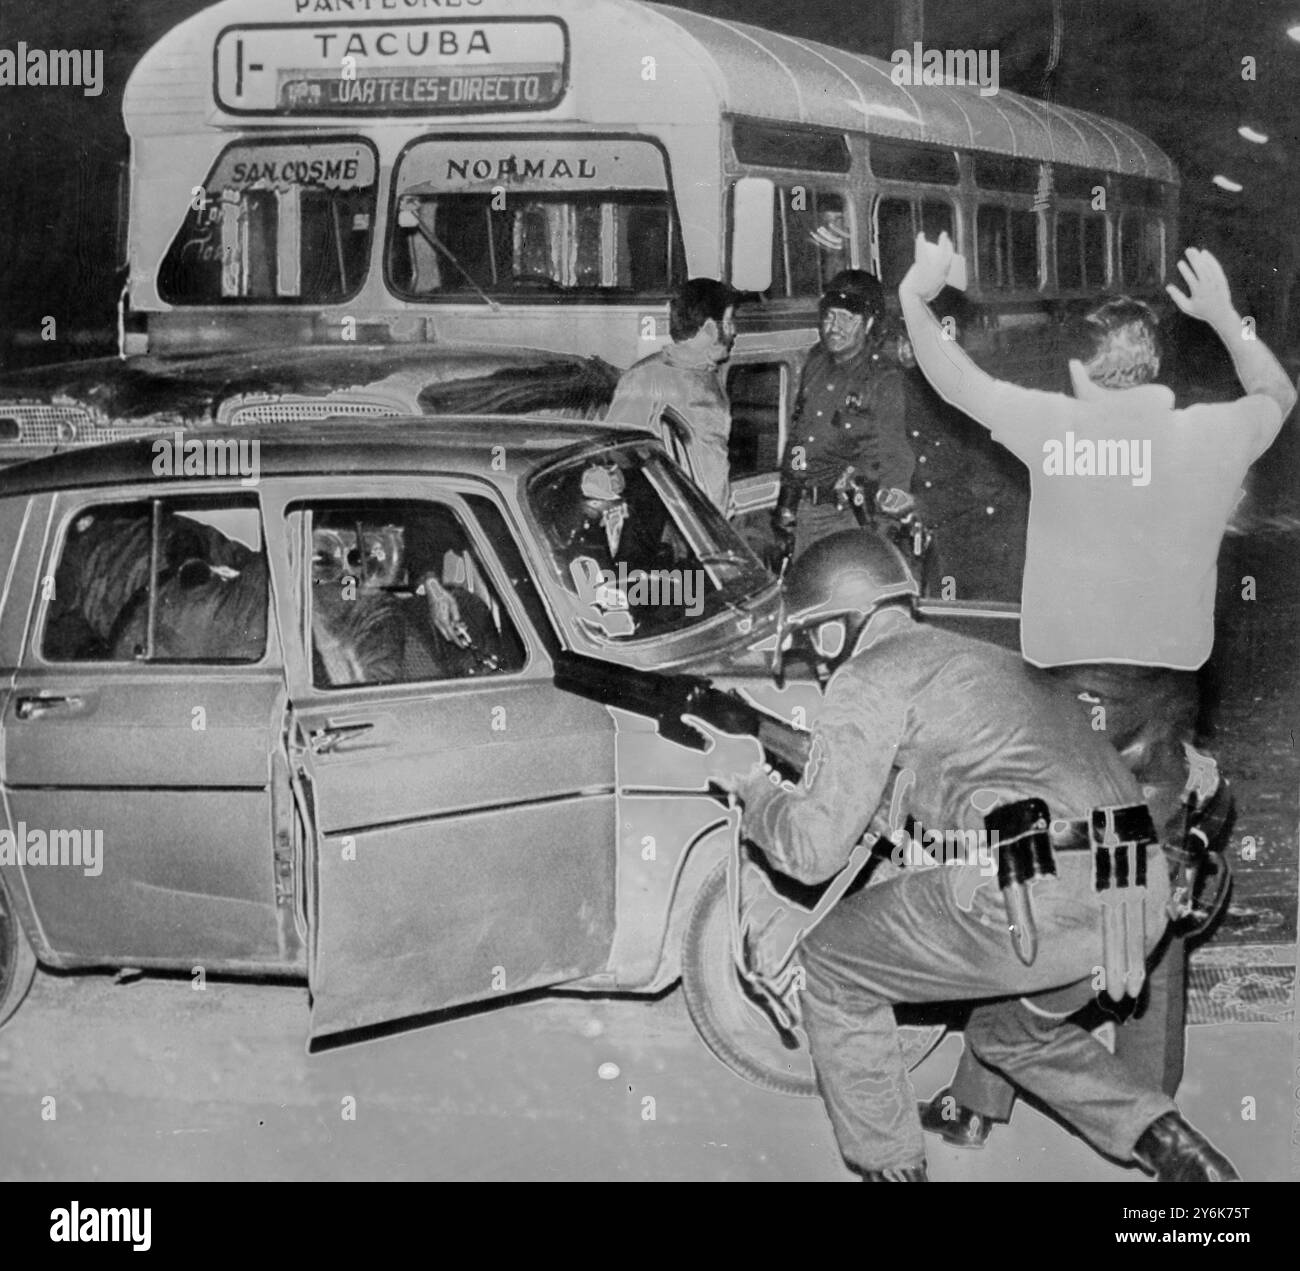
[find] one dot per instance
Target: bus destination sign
(402, 68)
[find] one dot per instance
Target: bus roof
(707, 65)
(776, 76)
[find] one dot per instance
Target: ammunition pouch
(1022, 833)
(1120, 838)
(1024, 841)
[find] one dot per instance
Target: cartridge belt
(817, 494)
(1132, 824)
(1066, 836)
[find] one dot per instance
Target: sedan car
(352, 713)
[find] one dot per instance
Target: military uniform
(1154, 710)
(976, 728)
(971, 494)
(848, 413)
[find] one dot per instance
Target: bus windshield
(283, 223)
(520, 219)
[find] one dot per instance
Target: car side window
(398, 595)
(160, 580)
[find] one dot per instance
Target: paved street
(154, 1079)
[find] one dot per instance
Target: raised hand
(1209, 297)
(930, 273)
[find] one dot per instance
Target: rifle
(666, 697)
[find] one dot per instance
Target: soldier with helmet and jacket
(1070, 883)
(848, 455)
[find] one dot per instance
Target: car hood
(185, 391)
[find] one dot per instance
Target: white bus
(431, 180)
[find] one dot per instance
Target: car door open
(462, 809)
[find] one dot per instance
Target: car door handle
(35, 707)
(324, 740)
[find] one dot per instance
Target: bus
(386, 206)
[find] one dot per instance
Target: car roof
(464, 444)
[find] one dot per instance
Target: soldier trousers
(1149, 712)
(914, 939)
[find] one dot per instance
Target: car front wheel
(734, 1027)
(17, 961)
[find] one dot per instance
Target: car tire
(737, 1030)
(17, 960)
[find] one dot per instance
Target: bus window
(895, 240)
(936, 219)
(1001, 172)
(903, 161)
(1094, 251)
(1077, 183)
(1069, 251)
(1141, 247)
(539, 218)
(1008, 248)
(282, 223)
(768, 145)
(557, 243)
(994, 247)
(1024, 248)
(817, 240)
(756, 392)
(897, 227)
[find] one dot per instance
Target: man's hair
(695, 303)
(1118, 343)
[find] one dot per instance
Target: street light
(1294, 31)
(1252, 134)
(1225, 184)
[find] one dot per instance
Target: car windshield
(640, 549)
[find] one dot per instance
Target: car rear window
(160, 580)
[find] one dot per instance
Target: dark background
(1172, 68)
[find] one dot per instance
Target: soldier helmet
(842, 579)
(856, 291)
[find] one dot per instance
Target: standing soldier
(848, 453)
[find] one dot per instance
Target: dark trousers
(817, 521)
(911, 940)
(1148, 713)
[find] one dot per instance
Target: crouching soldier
(1073, 898)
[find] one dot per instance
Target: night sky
(1169, 67)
